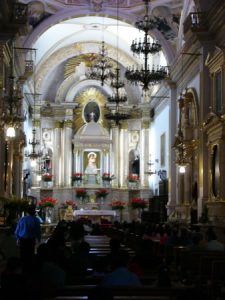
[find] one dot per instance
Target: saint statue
(136, 166)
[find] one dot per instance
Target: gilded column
(172, 172)
(180, 192)
(67, 141)
(187, 185)
(57, 159)
(35, 166)
(204, 107)
(144, 151)
(9, 167)
(17, 172)
(124, 155)
(2, 134)
(115, 150)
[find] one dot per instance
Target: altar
(95, 215)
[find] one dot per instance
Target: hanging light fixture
(117, 114)
(11, 108)
(146, 75)
(101, 68)
(34, 154)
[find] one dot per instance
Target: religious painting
(91, 162)
(162, 149)
(91, 110)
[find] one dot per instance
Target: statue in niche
(136, 165)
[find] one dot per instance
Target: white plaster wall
(157, 128)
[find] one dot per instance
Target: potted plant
(107, 177)
(47, 202)
(76, 178)
(81, 192)
(101, 193)
(138, 203)
(118, 205)
(46, 206)
(133, 178)
(46, 177)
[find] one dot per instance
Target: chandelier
(101, 67)
(146, 75)
(34, 154)
(11, 106)
(118, 97)
(34, 142)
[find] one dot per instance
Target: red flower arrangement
(138, 203)
(107, 177)
(81, 192)
(133, 178)
(47, 202)
(46, 177)
(76, 176)
(118, 204)
(101, 193)
(68, 203)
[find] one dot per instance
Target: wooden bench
(199, 263)
(118, 293)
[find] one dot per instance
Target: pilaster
(67, 141)
(57, 158)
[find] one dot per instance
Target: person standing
(28, 231)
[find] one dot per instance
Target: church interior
(113, 111)
(138, 84)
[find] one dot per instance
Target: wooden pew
(118, 293)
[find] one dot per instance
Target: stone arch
(129, 18)
(46, 68)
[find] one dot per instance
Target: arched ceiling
(67, 30)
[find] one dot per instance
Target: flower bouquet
(101, 193)
(117, 205)
(76, 176)
(138, 203)
(81, 192)
(46, 177)
(107, 177)
(133, 178)
(47, 202)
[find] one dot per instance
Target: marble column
(124, 155)
(67, 141)
(115, 150)
(144, 152)
(57, 159)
